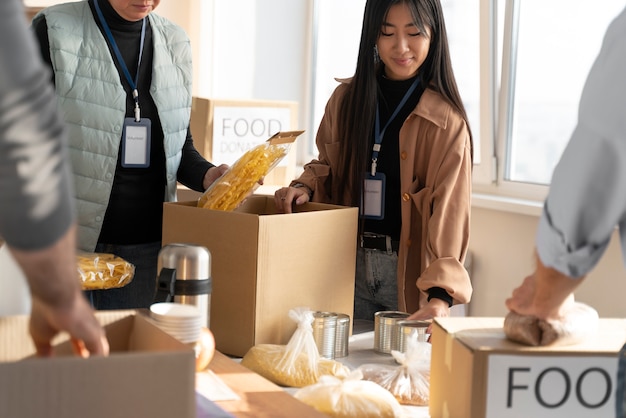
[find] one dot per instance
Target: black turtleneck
(135, 211)
(390, 94)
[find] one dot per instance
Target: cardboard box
(477, 373)
(223, 130)
(263, 264)
(148, 374)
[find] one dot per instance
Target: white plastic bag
(350, 397)
(296, 364)
(409, 382)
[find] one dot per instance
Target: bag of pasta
(409, 382)
(103, 271)
(296, 364)
(350, 397)
(228, 191)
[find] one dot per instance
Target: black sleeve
(193, 166)
(40, 28)
(439, 293)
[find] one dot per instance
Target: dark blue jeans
(375, 287)
(139, 293)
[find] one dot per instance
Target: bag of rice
(296, 364)
(350, 397)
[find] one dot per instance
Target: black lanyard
(118, 54)
(378, 133)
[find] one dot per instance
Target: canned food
(408, 328)
(325, 332)
(385, 328)
(342, 336)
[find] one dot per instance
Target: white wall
(502, 247)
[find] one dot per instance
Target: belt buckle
(388, 244)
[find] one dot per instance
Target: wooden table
(259, 398)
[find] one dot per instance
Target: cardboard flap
(284, 137)
(15, 343)
(487, 334)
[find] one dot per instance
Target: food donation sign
(527, 386)
(237, 129)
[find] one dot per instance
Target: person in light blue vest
(123, 78)
(587, 197)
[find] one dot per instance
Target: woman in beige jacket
(395, 141)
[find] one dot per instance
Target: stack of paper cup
(181, 321)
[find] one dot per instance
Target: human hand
(433, 309)
(285, 196)
(532, 298)
(213, 174)
(76, 318)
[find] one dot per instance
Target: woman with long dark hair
(395, 141)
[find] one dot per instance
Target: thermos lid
(191, 262)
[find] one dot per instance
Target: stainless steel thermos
(184, 276)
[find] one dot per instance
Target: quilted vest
(93, 102)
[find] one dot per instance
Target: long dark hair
(357, 110)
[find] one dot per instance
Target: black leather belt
(379, 242)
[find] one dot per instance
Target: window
(549, 47)
(336, 36)
(462, 18)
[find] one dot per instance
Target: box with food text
(477, 373)
(147, 374)
(265, 263)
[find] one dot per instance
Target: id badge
(136, 143)
(373, 205)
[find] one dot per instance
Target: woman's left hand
(433, 309)
(285, 196)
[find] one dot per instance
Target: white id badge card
(374, 196)
(136, 143)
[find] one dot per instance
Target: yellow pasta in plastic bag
(103, 271)
(228, 191)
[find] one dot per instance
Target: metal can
(325, 332)
(342, 336)
(385, 328)
(407, 328)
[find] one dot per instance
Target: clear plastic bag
(296, 364)
(409, 382)
(103, 271)
(228, 191)
(350, 397)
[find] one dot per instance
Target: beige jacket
(436, 173)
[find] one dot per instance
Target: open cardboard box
(477, 373)
(148, 373)
(264, 264)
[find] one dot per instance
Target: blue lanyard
(118, 54)
(378, 133)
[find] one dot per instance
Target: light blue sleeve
(587, 197)
(36, 206)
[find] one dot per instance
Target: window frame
(490, 180)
